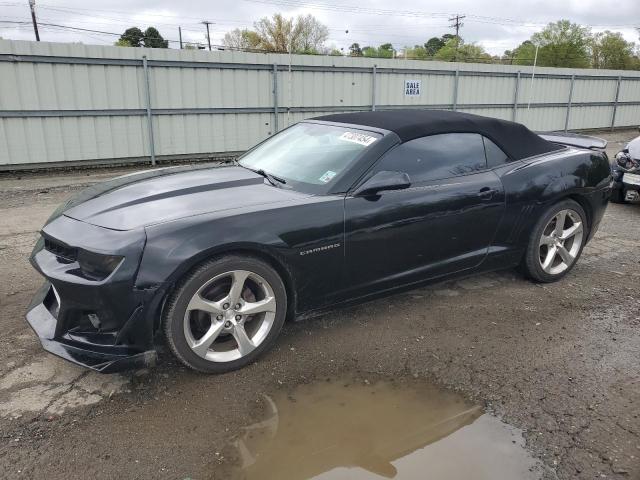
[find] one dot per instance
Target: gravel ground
(558, 361)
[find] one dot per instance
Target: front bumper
(76, 349)
(106, 325)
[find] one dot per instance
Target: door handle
(487, 193)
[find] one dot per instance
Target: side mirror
(382, 181)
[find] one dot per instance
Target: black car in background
(333, 210)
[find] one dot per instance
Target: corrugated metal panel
(628, 116)
(76, 102)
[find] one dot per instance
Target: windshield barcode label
(359, 138)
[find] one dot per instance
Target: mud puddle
(346, 429)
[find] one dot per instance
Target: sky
(496, 25)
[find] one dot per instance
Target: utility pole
(207, 23)
(456, 24)
(32, 5)
(180, 36)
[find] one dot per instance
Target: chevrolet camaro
(334, 210)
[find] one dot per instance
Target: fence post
(455, 90)
(373, 88)
(615, 103)
(275, 98)
(152, 150)
(566, 119)
(514, 114)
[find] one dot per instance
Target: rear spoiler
(575, 140)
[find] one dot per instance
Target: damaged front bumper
(99, 354)
(105, 324)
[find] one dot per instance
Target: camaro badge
(319, 249)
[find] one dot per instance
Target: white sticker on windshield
(359, 138)
(327, 176)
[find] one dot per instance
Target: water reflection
(354, 430)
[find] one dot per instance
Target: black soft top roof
(515, 139)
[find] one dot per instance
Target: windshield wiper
(271, 178)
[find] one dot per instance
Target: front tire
(556, 242)
(225, 314)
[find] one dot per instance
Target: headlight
(625, 161)
(622, 158)
(97, 266)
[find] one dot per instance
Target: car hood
(634, 148)
(158, 196)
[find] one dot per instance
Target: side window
(437, 156)
(495, 155)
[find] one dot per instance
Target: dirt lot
(560, 362)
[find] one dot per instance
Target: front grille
(60, 250)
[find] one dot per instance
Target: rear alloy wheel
(225, 314)
(556, 242)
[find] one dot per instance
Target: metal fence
(66, 103)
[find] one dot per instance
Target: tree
(611, 50)
(355, 50)
(563, 44)
(433, 45)
(302, 35)
(418, 52)
(243, 39)
(132, 37)
(153, 39)
(456, 50)
(383, 51)
(309, 34)
(523, 54)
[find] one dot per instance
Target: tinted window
(495, 155)
(437, 156)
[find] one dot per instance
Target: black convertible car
(336, 209)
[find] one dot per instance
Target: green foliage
(563, 44)
(153, 39)
(243, 39)
(456, 50)
(134, 37)
(611, 50)
(566, 44)
(122, 42)
(383, 51)
(355, 50)
(418, 52)
(523, 54)
(429, 48)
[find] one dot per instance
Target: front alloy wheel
(225, 314)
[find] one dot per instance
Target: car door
(443, 223)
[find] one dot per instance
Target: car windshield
(309, 157)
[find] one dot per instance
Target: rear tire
(225, 314)
(556, 242)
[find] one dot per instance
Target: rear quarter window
(495, 155)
